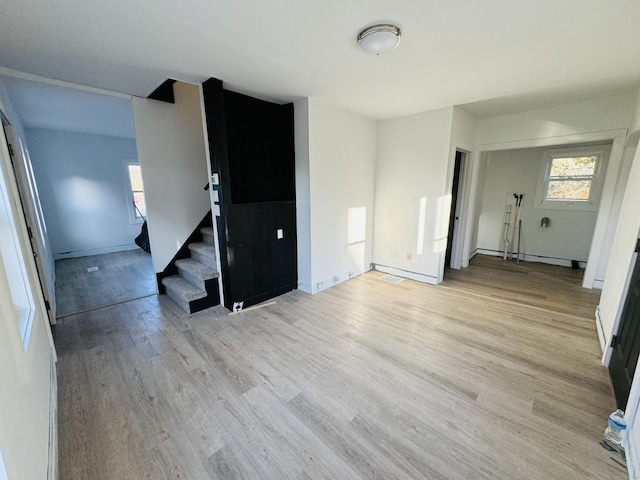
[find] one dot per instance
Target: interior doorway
(626, 343)
(523, 205)
(453, 236)
(74, 165)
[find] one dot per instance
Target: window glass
(573, 166)
(137, 190)
(577, 190)
(570, 179)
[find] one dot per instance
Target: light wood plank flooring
(364, 380)
(121, 276)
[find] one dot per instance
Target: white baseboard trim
(335, 280)
(95, 251)
(598, 284)
(465, 261)
(418, 277)
(563, 262)
(305, 287)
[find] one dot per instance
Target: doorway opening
(78, 193)
(525, 213)
(454, 236)
(626, 343)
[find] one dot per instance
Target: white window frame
(133, 217)
(596, 183)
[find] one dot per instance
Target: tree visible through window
(570, 179)
(135, 180)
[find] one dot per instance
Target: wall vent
(390, 278)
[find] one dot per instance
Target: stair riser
(211, 261)
(211, 300)
(191, 278)
(184, 305)
(208, 239)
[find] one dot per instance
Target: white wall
(84, 190)
(414, 157)
(27, 377)
(479, 167)
(341, 169)
(623, 243)
(623, 247)
(463, 131)
(614, 293)
(509, 171)
(525, 129)
(172, 154)
(303, 185)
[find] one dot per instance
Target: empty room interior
(319, 240)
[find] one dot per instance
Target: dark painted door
(627, 342)
(252, 150)
(454, 205)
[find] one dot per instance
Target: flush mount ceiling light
(379, 38)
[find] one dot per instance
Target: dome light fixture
(379, 39)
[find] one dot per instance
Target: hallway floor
(120, 276)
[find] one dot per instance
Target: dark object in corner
(164, 92)
(142, 240)
(575, 264)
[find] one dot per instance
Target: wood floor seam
(60, 317)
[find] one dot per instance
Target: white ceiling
(498, 56)
(56, 107)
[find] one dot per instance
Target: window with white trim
(571, 179)
(137, 192)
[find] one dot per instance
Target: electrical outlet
(279, 234)
(394, 253)
(408, 255)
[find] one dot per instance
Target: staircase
(195, 287)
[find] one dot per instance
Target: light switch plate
(280, 233)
